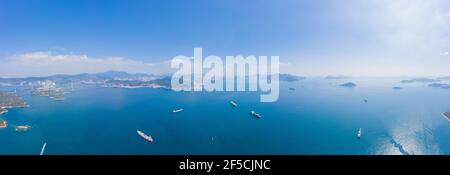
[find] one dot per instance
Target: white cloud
(48, 63)
(387, 37)
(415, 24)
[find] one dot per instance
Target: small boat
(359, 133)
(177, 110)
(234, 104)
(43, 149)
(365, 100)
(22, 128)
(446, 115)
(145, 136)
(254, 114)
(292, 89)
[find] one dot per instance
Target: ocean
(318, 117)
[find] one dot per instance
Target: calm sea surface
(318, 117)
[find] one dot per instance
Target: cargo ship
(177, 110)
(446, 115)
(234, 104)
(254, 114)
(43, 149)
(359, 133)
(145, 136)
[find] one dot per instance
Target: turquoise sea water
(319, 117)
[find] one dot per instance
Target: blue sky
(312, 37)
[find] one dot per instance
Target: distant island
(336, 77)
(446, 115)
(397, 88)
(163, 82)
(48, 89)
(443, 78)
(420, 80)
(290, 78)
(349, 84)
(10, 100)
(84, 77)
(440, 85)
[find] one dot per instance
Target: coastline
(10, 107)
(3, 110)
(3, 124)
(137, 87)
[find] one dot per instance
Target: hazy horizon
(167, 74)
